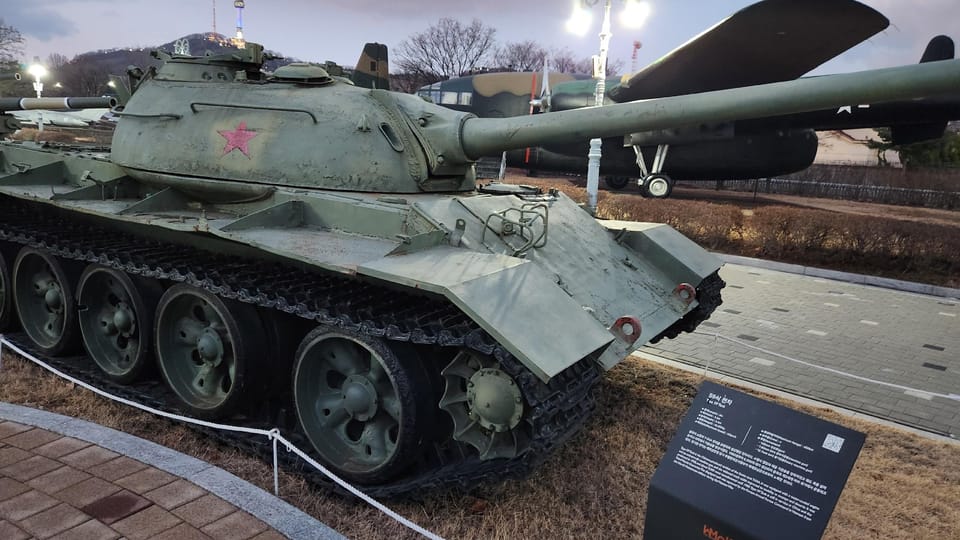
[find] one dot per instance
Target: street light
(634, 15)
(38, 72)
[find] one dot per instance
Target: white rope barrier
(718, 336)
(273, 435)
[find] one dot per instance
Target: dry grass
(903, 486)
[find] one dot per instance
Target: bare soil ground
(903, 486)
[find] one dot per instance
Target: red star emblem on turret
(237, 139)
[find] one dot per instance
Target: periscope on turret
(290, 247)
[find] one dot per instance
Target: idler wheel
(116, 320)
(207, 349)
(354, 398)
(486, 406)
(7, 318)
(44, 298)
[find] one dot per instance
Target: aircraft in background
(770, 41)
(73, 118)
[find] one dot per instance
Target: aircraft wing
(79, 118)
(770, 41)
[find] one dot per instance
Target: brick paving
(804, 324)
(61, 488)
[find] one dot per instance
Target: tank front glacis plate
(606, 278)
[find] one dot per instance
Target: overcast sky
(336, 30)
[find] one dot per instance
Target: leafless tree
(564, 61)
(84, 76)
(56, 61)
(521, 56)
(446, 49)
(11, 43)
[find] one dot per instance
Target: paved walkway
(900, 349)
(71, 479)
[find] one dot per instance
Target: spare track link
(557, 409)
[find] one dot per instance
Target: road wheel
(354, 398)
(208, 350)
(7, 318)
(116, 320)
(45, 301)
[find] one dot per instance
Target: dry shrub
(875, 245)
(911, 250)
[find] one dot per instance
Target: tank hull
(547, 308)
(473, 282)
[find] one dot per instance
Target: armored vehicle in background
(290, 247)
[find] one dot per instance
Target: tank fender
(510, 298)
(662, 243)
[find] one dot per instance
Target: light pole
(634, 15)
(38, 72)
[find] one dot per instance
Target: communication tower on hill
(238, 39)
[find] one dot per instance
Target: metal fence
(853, 192)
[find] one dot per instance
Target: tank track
(708, 295)
(557, 410)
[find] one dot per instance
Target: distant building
(849, 147)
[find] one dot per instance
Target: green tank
(292, 249)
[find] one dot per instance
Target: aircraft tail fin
(373, 69)
(939, 48)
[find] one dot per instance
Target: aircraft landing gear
(654, 183)
(657, 186)
(616, 182)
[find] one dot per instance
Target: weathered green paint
(344, 179)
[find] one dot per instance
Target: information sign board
(740, 468)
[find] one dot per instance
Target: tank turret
(291, 249)
(302, 128)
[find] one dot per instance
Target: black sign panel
(743, 468)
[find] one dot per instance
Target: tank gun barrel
(27, 104)
(486, 136)
(9, 76)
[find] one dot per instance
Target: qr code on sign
(833, 443)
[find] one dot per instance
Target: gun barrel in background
(488, 136)
(9, 76)
(27, 104)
